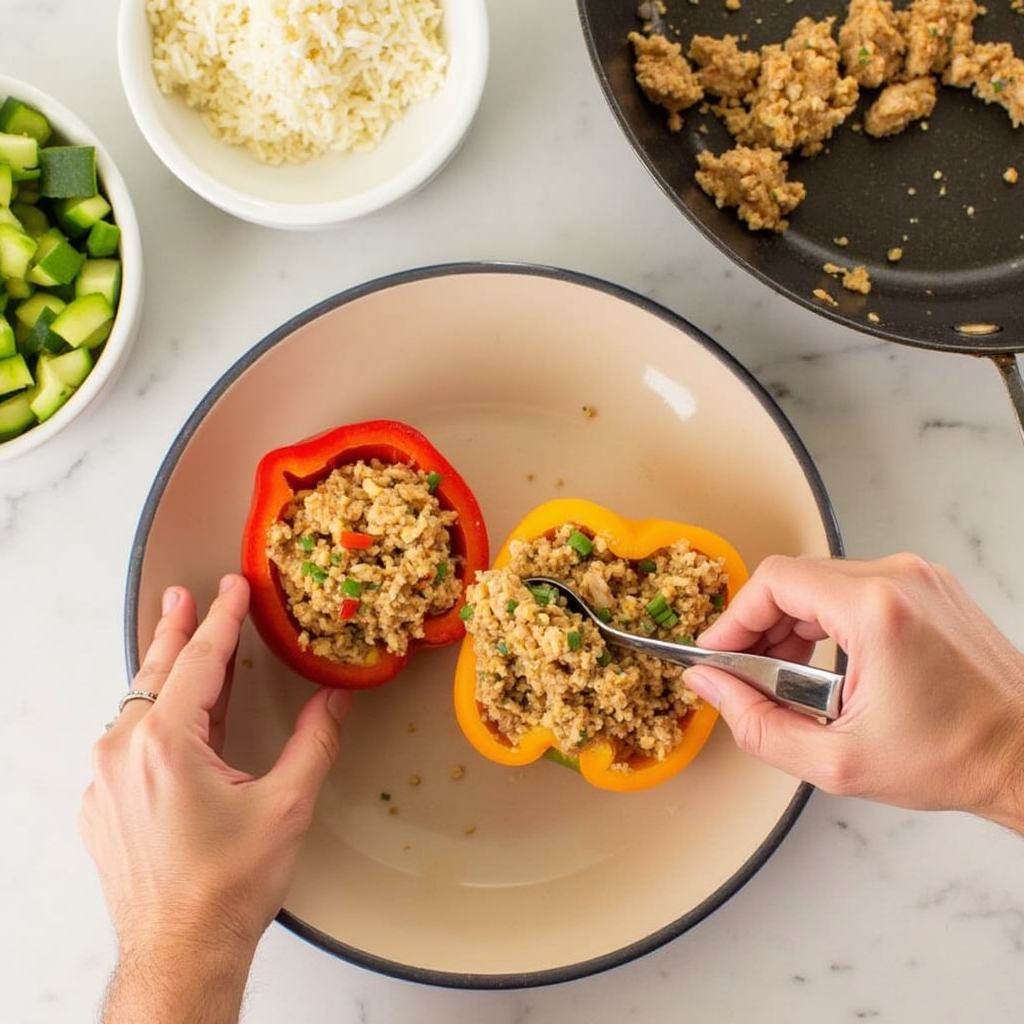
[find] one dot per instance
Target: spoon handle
(813, 691)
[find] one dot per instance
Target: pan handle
(1008, 366)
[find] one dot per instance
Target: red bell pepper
(283, 472)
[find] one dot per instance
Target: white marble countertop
(865, 912)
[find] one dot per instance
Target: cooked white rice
(291, 79)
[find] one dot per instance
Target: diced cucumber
(100, 277)
(52, 393)
(29, 310)
(71, 368)
(19, 119)
(16, 415)
(18, 288)
(16, 252)
(56, 263)
(60, 276)
(7, 217)
(8, 346)
(20, 151)
(85, 321)
(103, 239)
(14, 374)
(67, 171)
(33, 221)
(39, 338)
(77, 216)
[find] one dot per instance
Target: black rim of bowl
(771, 842)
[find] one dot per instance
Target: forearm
(174, 984)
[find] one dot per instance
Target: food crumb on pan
(911, 191)
(732, 5)
(1010, 175)
(895, 254)
(874, 318)
(969, 210)
(824, 296)
(842, 241)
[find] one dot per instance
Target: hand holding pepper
(195, 857)
(933, 706)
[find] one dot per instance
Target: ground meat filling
(347, 600)
(540, 664)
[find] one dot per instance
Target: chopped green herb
(385, 795)
(351, 587)
(648, 626)
(433, 480)
(336, 558)
(511, 606)
(646, 565)
(718, 600)
(442, 572)
(668, 621)
(582, 738)
(502, 648)
(371, 586)
(998, 85)
(466, 612)
(310, 569)
(684, 638)
(544, 595)
(580, 543)
(306, 542)
(604, 659)
(863, 55)
(604, 614)
(574, 640)
(658, 605)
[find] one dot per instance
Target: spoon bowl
(804, 688)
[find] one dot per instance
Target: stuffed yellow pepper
(535, 678)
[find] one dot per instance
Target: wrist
(176, 974)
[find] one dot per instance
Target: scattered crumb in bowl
(290, 81)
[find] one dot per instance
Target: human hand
(195, 857)
(933, 702)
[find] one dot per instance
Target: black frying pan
(960, 284)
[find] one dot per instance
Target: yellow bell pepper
(633, 540)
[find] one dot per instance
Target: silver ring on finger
(132, 695)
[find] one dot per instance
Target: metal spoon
(804, 688)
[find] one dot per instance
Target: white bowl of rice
(302, 114)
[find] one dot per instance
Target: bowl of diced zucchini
(70, 268)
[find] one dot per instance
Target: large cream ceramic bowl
(502, 877)
(334, 187)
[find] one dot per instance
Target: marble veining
(865, 913)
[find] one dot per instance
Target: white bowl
(493, 363)
(329, 189)
(129, 309)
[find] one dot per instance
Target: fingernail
(226, 583)
(171, 597)
(338, 704)
(703, 686)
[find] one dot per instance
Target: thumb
(776, 735)
(312, 748)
